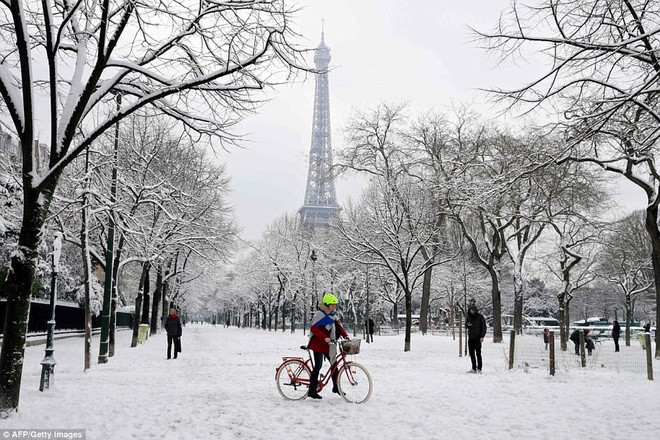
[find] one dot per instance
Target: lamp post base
(47, 373)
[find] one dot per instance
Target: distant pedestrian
(174, 331)
(616, 333)
(588, 341)
(647, 328)
(546, 337)
(575, 337)
(369, 325)
(475, 323)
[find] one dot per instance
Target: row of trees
(64, 67)
(456, 210)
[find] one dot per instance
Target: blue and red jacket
(324, 325)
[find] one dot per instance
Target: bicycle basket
(351, 346)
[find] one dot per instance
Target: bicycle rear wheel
(355, 383)
(292, 379)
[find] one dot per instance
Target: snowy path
(222, 387)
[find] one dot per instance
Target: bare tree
(573, 265)
(390, 231)
(625, 262)
(384, 146)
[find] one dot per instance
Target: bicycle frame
(324, 378)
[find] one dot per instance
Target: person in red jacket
(324, 329)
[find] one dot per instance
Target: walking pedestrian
(174, 331)
(546, 337)
(475, 323)
(370, 329)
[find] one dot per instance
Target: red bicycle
(353, 380)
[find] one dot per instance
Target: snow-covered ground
(223, 387)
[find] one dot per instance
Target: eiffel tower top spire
(320, 196)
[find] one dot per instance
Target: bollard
(583, 357)
(512, 347)
(552, 353)
(460, 334)
(649, 356)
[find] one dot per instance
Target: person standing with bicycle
(475, 323)
(323, 331)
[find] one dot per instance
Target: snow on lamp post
(48, 364)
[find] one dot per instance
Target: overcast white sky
(382, 51)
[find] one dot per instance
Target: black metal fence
(68, 316)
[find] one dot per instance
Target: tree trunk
(426, 297)
(18, 287)
(563, 321)
(138, 305)
(652, 229)
(18, 291)
(408, 294)
(497, 304)
(87, 269)
(146, 298)
(113, 302)
(628, 320)
(518, 289)
(156, 300)
(395, 312)
(87, 273)
(164, 310)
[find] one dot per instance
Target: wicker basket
(351, 346)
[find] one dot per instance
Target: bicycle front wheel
(292, 379)
(355, 383)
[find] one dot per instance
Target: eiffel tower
(320, 196)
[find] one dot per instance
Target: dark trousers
(314, 379)
(370, 336)
(474, 347)
(177, 346)
(616, 344)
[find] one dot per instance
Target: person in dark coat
(370, 329)
(588, 341)
(326, 328)
(575, 337)
(616, 333)
(174, 331)
(546, 337)
(475, 323)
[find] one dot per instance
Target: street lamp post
(313, 257)
(366, 319)
(48, 363)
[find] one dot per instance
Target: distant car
(592, 322)
(540, 321)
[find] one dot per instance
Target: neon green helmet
(329, 299)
